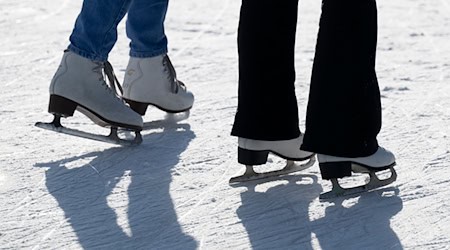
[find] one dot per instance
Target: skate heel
(61, 106)
(138, 107)
(333, 170)
(252, 157)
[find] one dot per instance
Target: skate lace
(172, 75)
(105, 69)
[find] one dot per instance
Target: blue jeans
(95, 31)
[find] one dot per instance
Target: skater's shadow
(278, 218)
(119, 198)
(363, 225)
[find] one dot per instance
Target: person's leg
(145, 28)
(267, 115)
(150, 78)
(79, 82)
(344, 110)
(95, 31)
(267, 105)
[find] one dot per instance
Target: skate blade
(291, 167)
(374, 183)
(170, 119)
(112, 138)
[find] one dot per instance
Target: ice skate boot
(79, 84)
(256, 152)
(332, 168)
(153, 81)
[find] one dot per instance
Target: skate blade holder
(373, 182)
(113, 136)
(290, 167)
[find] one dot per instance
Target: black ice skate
(333, 168)
(255, 152)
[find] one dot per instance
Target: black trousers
(344, 111)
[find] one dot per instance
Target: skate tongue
(172, 74)
(112, 79)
